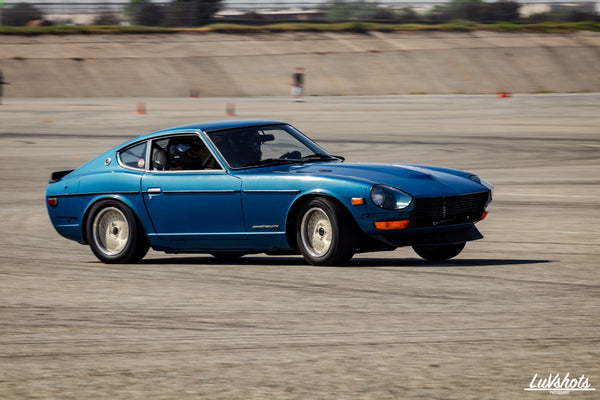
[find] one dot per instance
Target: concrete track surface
(523, 301)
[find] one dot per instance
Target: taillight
(52, 201)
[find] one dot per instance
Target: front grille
(450, 210)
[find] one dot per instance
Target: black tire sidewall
(439, 253)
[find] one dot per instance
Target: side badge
(265, 226)
(107, 161)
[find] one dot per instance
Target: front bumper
(434, 236)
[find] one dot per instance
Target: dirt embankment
(336, 64)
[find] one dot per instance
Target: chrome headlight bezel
(390, 198)
(486, 184)
(482, 181)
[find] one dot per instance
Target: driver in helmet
(187, 155)
(248, 145)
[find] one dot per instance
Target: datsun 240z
(232, 188)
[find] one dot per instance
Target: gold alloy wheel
(317, 233)
(111, 231)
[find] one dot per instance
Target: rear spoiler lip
(58, 175)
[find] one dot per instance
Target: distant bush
(106, 19)
(145, 13)
(359, 27)
(356, 10)
(20, 14)
(150, 14)
(499, 11)
(177, 13)
(464, 10)
(192, 13)
(476, 11)
(563, 15)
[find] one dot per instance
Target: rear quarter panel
(77, 192)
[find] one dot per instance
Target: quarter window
(134, 157)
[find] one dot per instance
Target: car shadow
(371, 262)
(414, 262)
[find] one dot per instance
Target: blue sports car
(238, 187)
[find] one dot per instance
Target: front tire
(439, 253)
(325, 234)
(114, 233)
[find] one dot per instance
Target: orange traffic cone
(230, 109)
(141, 107)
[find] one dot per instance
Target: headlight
(390, 198)
(482, 181)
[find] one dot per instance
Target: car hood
(417, 180)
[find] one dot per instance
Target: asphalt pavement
(523, 301)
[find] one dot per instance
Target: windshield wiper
(320, 156)
(275, 161)
(270, 161)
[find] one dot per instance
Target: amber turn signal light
(388, 225)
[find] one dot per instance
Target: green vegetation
(356, 27)
(360, 16)
(176, 13)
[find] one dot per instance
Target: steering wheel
(292, 155)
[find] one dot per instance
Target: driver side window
(181, 153)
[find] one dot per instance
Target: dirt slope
(336, 64)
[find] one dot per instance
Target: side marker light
(389, 225)
(483, 215)
(358, 201)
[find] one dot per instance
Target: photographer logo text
(558, 384)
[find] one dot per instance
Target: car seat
(159, 159)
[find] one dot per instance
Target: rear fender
(133, 201)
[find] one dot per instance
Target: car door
(191, 202)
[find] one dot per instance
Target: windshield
(265, 145)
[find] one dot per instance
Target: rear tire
(439, 253)
(325, 234)
(114, 233)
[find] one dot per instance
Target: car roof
(211, 126)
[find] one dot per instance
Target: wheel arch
(294, 211)
(118, 198)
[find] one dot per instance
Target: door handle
(154, 190)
